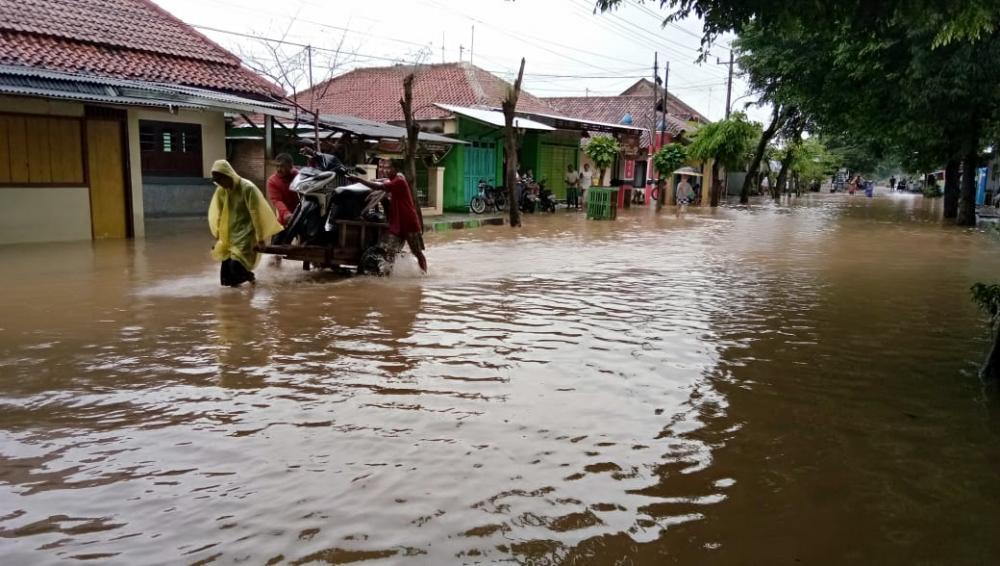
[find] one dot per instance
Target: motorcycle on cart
(331, 228)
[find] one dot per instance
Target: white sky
(569, 50)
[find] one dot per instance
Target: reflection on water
(775, 385)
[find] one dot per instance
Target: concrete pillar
(435, 192)
(371, 171)
(706, 182)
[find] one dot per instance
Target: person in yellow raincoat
(239, 218)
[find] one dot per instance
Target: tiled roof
(613, 109)
(373, 93)
(128, 39)
(676, 106)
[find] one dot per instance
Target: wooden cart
(353, 237)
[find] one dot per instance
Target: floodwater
(779, 385)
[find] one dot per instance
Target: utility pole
(461, 52)
(472, 47)
(442, 47)
(653, 128)
(666, 94)
(729, 81)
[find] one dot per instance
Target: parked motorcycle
(488, 197)
(546, 200)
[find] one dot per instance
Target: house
(111, 111)
(635, 106)
(462, 100)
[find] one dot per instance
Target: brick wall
(247, 157)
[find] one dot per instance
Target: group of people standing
(242, 220)
(577, 185)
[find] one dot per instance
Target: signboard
(630, 145)
(389, 145)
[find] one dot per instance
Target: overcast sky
(570, 51)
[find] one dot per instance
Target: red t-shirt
(402, 213)
(281, 195)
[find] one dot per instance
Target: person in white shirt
(684, 191)
(572, 187)
(586, 180)
(765, 185)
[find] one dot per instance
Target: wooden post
(509, 106)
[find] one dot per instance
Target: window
(170, 149)
(41, 151)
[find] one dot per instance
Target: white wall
(213, 147)
(36, 214)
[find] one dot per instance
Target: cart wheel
(306, 266)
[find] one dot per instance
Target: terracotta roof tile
(132, 39)
(374, 92)
(612, 109)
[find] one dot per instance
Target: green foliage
(987, 297)
(602, 151)
(813, 161)
(933, 191)
(669, 158)
(952, 21)
(727, 141)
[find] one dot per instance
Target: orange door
(108, 205)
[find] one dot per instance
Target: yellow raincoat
(239, 218)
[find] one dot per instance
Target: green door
(480, 163)
(552, 163)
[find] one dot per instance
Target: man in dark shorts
(404, 223)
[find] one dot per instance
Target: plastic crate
(602, 203)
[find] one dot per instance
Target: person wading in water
(240, 218)
(404, 224)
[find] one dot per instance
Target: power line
(398, 59)
(622, 27)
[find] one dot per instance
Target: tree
(898, 92)
(778, 117)
(667, 160)
(602, 151)
(509, 106)
(412, 139)
(726, 143)
(813, 162)
(952, 21)
(987, 297)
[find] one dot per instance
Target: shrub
(669, 158)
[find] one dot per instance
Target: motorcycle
(527, 190)
(324, 198)
(488, 197)
(546, 200)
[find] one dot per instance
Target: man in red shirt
(279, 190)
(404, 223)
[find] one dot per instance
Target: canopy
(689, 171)
(494, 117)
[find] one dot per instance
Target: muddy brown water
(781, 385)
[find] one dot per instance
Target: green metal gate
(552, 163)
(480, 163)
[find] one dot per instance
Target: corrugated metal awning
(28, 81)
(376, 130)
(569, 123)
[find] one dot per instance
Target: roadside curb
(446, 225)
